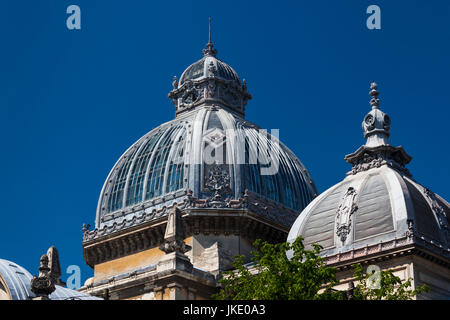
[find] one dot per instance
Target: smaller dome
(373, 206)
(377, 203)
(209, 66)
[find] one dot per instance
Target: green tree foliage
(304, 276)
(277, 277)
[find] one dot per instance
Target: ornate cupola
(380, 215)
(209, 81)
(223, 178)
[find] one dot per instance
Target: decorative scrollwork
(367, 162)
(370, 122)
(218, 180)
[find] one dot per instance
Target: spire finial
(209, 39)
(376, 123)
(374, 102)
(209, 51)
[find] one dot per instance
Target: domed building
(192, 193)
(379, 215)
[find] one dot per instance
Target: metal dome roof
(15, 280)
(209, 65)
(203, 67)
(377, 203)
(370, 207)
(167, 162)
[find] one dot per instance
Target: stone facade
(154, 274)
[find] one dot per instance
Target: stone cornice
(268, 211)
(149, 235)
(138, 281)
(389, 250)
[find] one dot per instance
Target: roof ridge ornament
(49, 272)
(210, 51)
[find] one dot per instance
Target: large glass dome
(169, 160)
(209, 153)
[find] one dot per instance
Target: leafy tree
(304, 276)
(277, 277)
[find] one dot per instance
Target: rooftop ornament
(377, 151)
(209, 51)
(49, 272)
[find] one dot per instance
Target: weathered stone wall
(214, 253)
(127, 263)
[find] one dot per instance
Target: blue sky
(73, 101)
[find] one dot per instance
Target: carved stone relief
(344, 214)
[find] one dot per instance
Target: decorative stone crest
(218, 181)
(344, 214)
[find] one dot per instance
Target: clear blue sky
(73, 101)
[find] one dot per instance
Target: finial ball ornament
(374, 102)
(376, 123)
